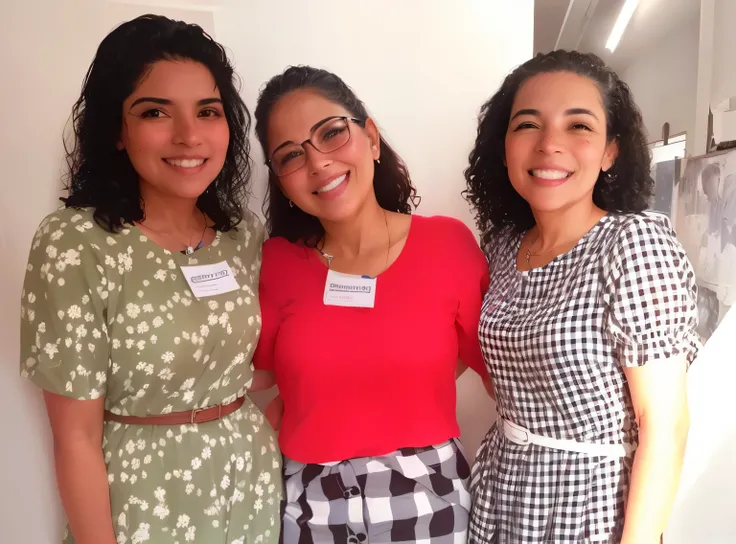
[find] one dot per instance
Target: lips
(331, 185)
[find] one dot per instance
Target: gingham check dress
(556, 340)
(411, 495)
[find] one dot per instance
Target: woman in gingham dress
(369, 432)
(590, 324)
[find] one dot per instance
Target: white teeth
(333, 184)
(185, 163)
(550, 174)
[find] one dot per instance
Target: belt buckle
(516, 433)
(198, 410)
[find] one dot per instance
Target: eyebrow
(571, 111)
(167, 102)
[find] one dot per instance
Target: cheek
(142, 140)
(295, 186)
(220, 137)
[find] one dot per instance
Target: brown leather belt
(200, 415)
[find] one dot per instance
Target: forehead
(296, 113)
(558, 91)
(174, 80)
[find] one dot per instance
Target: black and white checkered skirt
(411, 495)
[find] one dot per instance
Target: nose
(186, 131)
(315, 160)
(550, 141)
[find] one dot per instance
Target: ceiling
(586, 24)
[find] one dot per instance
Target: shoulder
(645, 241)
(282, 259)
(70, 229)
(443, 229)
(645, 229)
(250, 227)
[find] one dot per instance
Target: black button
(361, 537)
(353, 540)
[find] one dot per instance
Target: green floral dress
(111, 315)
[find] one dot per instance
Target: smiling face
(174, 129)
(333, 185)
(556, 142)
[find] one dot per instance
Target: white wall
(422, 71)
(724, 45)
(663, 80)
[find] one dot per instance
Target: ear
(120, 145)
(609, 155)
(371, 130)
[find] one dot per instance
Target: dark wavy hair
(626, 187)
(391, 181)
(102, 176)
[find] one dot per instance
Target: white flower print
(158, 321)
(74, 312)
(168, 357)
(142, 534)
(189, 536)
(166, 374)
(51, 350)
(161, 511)
(133, 310)
(213, 305)
(188, 396)
(188, 383)
(56, 235)
(225, 483)
(196, 463)
(206, 453)
(182, 521)
(229, 306)
(51, 251)
(142, 327)
(160, 275)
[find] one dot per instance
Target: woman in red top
(369, 314)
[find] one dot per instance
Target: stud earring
(291, 204)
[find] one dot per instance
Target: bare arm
(262, 380)
(658, 392)
(80, 467)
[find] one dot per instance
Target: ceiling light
(623, 19)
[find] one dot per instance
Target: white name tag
(208, 280)
(349, 290)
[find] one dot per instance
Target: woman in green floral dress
(140, 311)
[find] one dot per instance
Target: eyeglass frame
(346, 118)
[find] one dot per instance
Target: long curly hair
(627, 187)
(100, 175)
(391, 181)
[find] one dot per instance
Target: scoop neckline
(204, 249)
(562, 256)
(314, 256)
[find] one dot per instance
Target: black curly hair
(627, 187)
(391, 181)
(100, 175)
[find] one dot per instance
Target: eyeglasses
(329, 135)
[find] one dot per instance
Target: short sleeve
(64, 347)
(650, 294)
(472, 285)
(269, 289)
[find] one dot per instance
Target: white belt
(519, 435)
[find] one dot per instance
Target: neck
(170, 214)
(357, 235)
(563, 226)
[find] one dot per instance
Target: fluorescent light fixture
(623, 20)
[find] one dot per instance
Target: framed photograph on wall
(705, 221)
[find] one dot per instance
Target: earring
(291, 204)
(378, 161)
